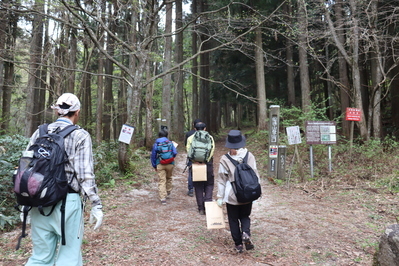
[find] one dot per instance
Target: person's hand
(220, 203)
(96, 213)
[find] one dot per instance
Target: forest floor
(312, 223)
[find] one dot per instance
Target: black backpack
(40, 180)
(246, 183)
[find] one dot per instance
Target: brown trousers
(165, 179)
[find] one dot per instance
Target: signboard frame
(321, 132)
(293, 135)
(126, 134)
(353, 114)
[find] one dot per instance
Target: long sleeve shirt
(226, 175)
(79, 169)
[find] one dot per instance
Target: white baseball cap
(70, 100)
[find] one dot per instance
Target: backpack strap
(63, 242)
(43, 130)
(25, 210)
(63, 133)
(244, 160)
(231, 159)
(67, 130)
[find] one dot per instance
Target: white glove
(220, 202)
(96, 213)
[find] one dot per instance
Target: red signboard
(353, 114)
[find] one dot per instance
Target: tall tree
(167, 64)
(33, 85)
(178, 108)
(290, 59)
(351, 59)
(376, 73)
(303, 56)
(260, 80)
(109, 110)
(100, 78)
(204, 70)
(344, 85)
(194, 68)
(8, 22)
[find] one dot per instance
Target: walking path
(289, 227)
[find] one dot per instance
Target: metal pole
(311, 161)
(351, 140)
(329, 158)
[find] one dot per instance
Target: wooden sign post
(273, 140)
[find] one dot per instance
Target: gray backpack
(201, 147)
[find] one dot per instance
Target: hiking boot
(239, 249)
(163, 201)
(190, 193)
(247, 241)
(202, 212)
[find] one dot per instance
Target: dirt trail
(289, 227)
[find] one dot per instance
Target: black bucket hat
(235, 140)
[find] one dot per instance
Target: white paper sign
(294, 135)
(126, 134)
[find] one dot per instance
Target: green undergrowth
(372, 163)
(106, 169)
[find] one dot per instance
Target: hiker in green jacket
(203, 189)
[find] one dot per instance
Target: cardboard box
(214, 215)
(199, 172)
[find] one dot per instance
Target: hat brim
(237, 145)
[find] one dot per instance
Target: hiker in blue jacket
(162, 160)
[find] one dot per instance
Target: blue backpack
(165, 152)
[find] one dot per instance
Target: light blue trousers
(46, 235)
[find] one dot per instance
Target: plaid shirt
(78, 146)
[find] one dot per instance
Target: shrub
(10, 152)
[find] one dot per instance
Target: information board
(321, 132)
(126, 134)
(293, 135)
(353, 114)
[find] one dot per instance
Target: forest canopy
(132, 62)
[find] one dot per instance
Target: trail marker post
(274, 124)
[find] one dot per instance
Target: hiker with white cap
(238, 213)
(46, 230)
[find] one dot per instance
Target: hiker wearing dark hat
(203, 189)
(238, 213)
(190, 191)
